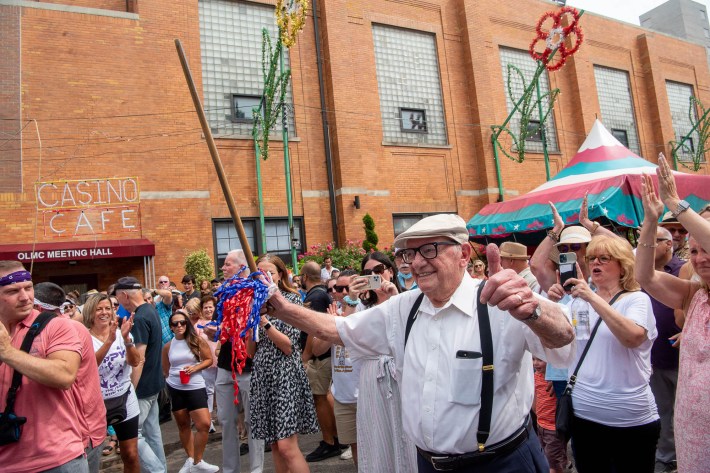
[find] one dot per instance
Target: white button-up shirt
(441, 394)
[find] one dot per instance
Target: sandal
(108, 449)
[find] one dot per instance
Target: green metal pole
(684, 138)
(287, 168)
(542, 132)
(260, 194)
(499, 177)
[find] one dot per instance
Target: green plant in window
(685, 147)
(530, 125)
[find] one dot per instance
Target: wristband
(553, 235)
(267, 326)
(350, 302)
(595, 228)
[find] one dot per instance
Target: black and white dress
(281, 397)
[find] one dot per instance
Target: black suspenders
(484, 328)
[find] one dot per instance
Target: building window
(403, 221)
(413, 120)
(534, 132)
(527, 65)
(679, 102)
(278, 237)
(231, 63)
(616, 104)
(409, 87)
(621, 136)
(243, 106)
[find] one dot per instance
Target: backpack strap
(40, 322)
(412, 317)
(484, 329)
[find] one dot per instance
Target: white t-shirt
(325, 273)
(115, 373)
(180, 356)
(346, 374)
(612, 384)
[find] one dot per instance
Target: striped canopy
(604, 168)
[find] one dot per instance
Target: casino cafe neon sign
(76, 208)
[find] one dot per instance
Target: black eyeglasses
(179, 323)
(564, 248)
(658, 240)
(379, 269)
(428, 251)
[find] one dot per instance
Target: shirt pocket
(466, 381)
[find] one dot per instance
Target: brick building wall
(110, 100)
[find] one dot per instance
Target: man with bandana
(48, 372)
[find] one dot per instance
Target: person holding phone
(184, 358)
(382, 446)
(612, 398)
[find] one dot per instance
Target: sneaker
(347, 454)
(212, 429)
(243, 449)
(324, 450)
(662, 467)
(203, 467)
(186, 467)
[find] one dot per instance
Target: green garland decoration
(275, 87)
(702, 127)
(527, 108)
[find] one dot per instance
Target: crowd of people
(438, 359)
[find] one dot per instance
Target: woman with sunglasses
(200, 312)
(281, 398)
(184, 358)
(692, 402)
(115, 355)
(612, 398)
(382, 445)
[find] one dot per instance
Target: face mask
(405, 276)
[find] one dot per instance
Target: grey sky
(624, 10)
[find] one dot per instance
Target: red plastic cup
(184, 377)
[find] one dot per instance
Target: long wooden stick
(215, 158)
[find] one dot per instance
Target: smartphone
(568, 269)
(374, 281)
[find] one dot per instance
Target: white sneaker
(347, 454)
(212, 429)
(186, 467)
(203, 467)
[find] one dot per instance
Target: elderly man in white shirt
(452, 384)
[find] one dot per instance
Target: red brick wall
(110, 99)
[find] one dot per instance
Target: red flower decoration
(551, 32)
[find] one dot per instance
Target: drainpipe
(326, 129)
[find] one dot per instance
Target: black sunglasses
(379, 269)
(564, 248)
(179, 323)
(337, 288)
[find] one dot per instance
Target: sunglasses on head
(565, 248)
(379, 269)
(179, 323)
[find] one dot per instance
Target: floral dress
(281, 397)
(692, 402)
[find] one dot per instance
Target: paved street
(213, 454)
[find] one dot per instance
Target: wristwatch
(267, 326)
(682, 207)
(535, 315)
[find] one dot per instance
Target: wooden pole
(215, 158)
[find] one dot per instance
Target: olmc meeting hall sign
(89, 207)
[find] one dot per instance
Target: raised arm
(320, 325)
(594, 228)
(540, 264)
(665, 288)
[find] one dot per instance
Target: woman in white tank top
(184, 358)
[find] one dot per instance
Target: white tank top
(180, 356)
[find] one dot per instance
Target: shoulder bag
(564, 412)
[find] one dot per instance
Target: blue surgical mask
(404, 276)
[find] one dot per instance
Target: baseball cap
(126, 282)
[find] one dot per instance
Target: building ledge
(70, 9)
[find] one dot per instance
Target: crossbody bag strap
(486, 412)
(573, 378)
(40, 322)
(412, 317)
